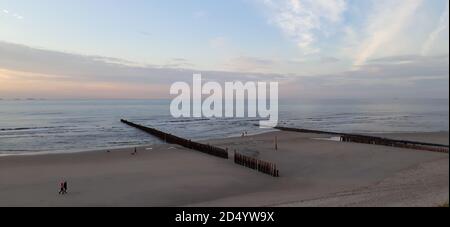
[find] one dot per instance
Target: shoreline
(117, 148)
(395, 135)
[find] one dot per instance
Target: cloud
(144, 33)
(178, 63)
(301, 19)
(179, 59)
(32, 85)
(250, 64)
(75, 67)
(45, 73)
(15, 15)
(442, 27)
(411, 76)
(414, 67)
(327, 59)
(386, 22)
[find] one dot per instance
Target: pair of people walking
(63, 188)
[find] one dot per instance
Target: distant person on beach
(135, 151)
(61, 188)
(65, 187)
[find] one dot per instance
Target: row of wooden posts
(250, 162)
(168, 138)
(253, 163)
(354, 138)
(391, 143)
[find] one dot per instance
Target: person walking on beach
(65, 187)
(61, 188)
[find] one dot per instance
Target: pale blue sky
(289, 38)
(141, 30)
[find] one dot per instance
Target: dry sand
(313, 173)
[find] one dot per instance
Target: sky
(137, 48)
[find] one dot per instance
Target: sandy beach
(314, 172)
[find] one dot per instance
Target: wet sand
(313, 173)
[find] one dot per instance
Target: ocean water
(33, 126)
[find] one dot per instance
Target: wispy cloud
(178, 63)
(17, 16)
(51, 73)
(442, 27)
(300, 20)
(411, 76)
(385, 23)
(145, 33)
(14, 15)
(77, 67)
(250, 64)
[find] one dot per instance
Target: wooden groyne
(393, 143)
(307, 131)
(168, 138)
(354, 138)
(253, 163)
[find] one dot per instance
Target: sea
(57, 126)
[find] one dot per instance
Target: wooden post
(276, 143)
